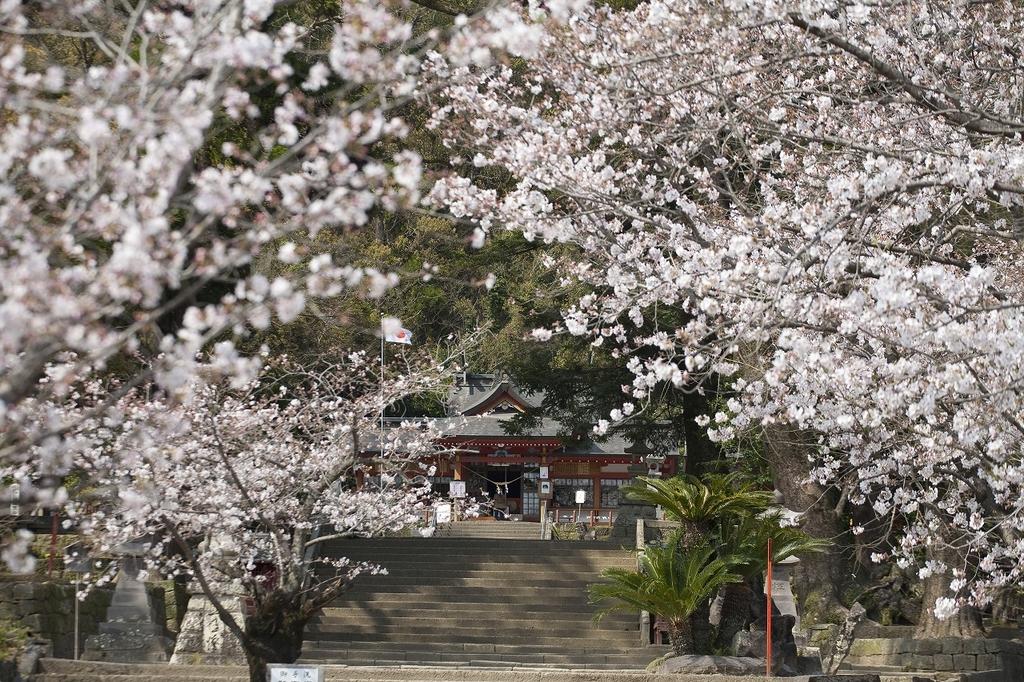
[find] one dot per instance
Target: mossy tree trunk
(966, 622)
(1008, 606)
(274, 633)
(820, 576)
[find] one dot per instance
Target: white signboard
(581, 496)
(544, 472)
(457, 489)
(295, 673)
(443, 513)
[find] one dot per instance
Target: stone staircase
(509, 530)
(479, 602)
(63, 670)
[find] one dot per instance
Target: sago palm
(696, 503)
(672, 581)
(745, 541)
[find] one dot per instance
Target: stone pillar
(134, 631)
(204, 639)
(782, 592)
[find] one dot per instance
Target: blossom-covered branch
(817, 204)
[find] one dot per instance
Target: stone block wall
(949, 654)
(47, 610)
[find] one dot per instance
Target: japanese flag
(394, 332)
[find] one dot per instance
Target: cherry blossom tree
(165, 170)
(237, 487)
(829, 196)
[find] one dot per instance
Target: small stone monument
(625, 528)
(782, 591)
(204, 639)
(134, 631)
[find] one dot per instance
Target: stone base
(128, 647)
(204, 639)
(711, 665)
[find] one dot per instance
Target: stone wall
(47, 610)
(949, 654)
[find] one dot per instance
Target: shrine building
(510, 469)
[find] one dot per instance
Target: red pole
(768, 627)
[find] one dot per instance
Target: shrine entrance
(511, 489)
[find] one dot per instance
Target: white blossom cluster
(237, 486)
(819, 203)
(117, 206)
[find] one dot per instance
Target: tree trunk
(820, 576)
(257, 668)
(736, 601)
(700, 628)
(1007, 606)
(274, 634)
(701, 452)
(682, 636)
(966, 622)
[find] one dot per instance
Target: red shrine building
(540, 470)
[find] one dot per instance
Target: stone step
(404, 565)
(483, 649)
(456, 580)
(554, 661)
(482, 549)
(458, 629)
(481, 618)
(399, 605)
(897, 674)
(478, 601)
(476, 615)
(529, 535)
(401, 568)
(507, 546)
(568, 640)
(445, 565)
(492, 551)
(57, 670)
(497, 591)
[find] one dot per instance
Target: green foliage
(12, 640)
(745, 539)
(672, 581)
(690, 499)
(725, 527)
(41, 549)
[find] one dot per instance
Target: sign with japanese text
(457, 488)
(295, 673)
